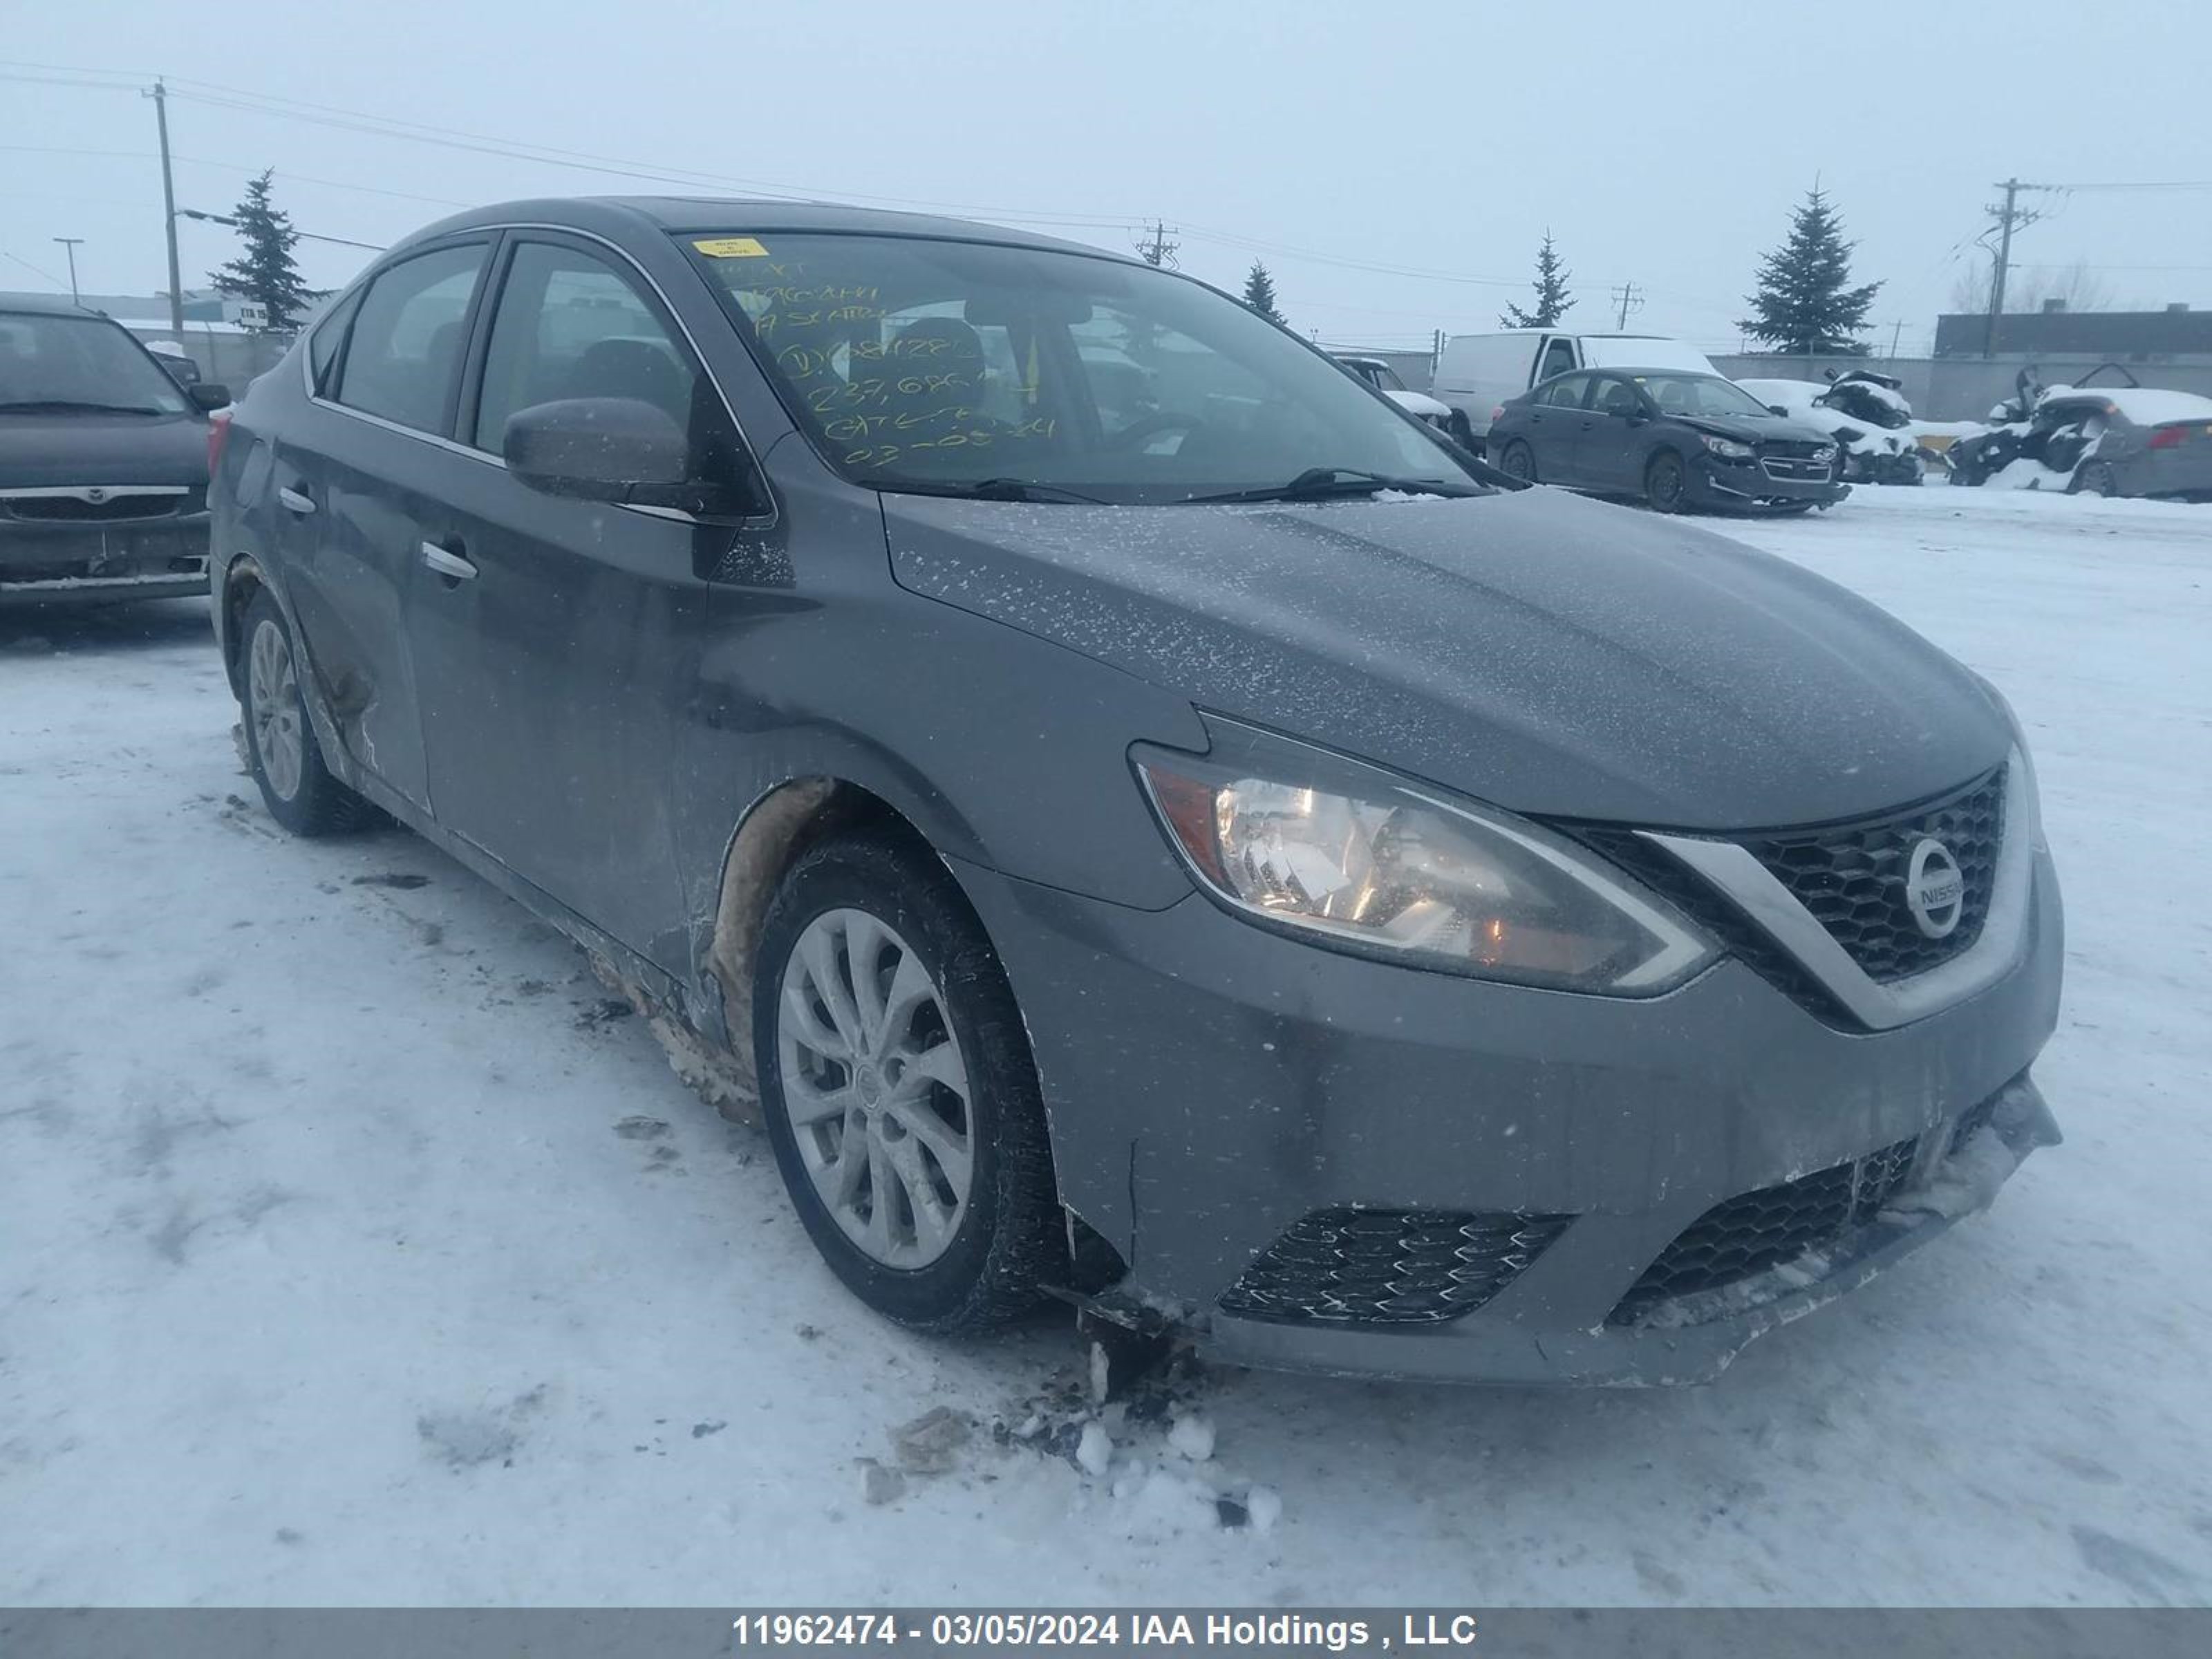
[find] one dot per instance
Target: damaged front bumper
(78, 564)
(1957, 1169)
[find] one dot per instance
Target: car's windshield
(61, 363)
(929, 364)
(1699, 394)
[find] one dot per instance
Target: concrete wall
(225, 355)
(1964, 388)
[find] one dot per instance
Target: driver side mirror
(209, 395)
(619, 450)
(1779, 408)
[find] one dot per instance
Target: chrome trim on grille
(91, 494)
(1754, 889)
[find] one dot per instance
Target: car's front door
(1554, 355)
(555, 638)
(1614, 428)
(357, 475)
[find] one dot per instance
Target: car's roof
(47, 305)
(744, 215)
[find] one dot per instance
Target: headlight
(1363, 862)
(1726, 448)
(1825, 452)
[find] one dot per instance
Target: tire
(1462, 432)
(1665, 481)
(934, 1256)
(281, 745)
(1518, 461)
(2095, 479)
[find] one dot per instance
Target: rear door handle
(293, 499)
(451, 566)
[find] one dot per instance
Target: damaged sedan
(1228, 859)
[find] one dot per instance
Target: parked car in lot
(1680, 440)
(1476, 372)
(1875, 439)
(1235, 863)
(2115, 441)
(177, 360)
(1388, 381)
(103, 462)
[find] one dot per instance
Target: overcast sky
(1664, 146)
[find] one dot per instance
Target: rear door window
(403, 359)
(1565, 394)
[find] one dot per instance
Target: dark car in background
(1680, 440)
(103, 462)
(1213, 854)
(2122, 440)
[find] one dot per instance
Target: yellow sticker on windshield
(731, 247)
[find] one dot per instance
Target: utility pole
(1895, 335)
(71, 243)
(2009, 217)
(1628, 299)
(1156, 250)
(161, 97)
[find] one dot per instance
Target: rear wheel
(1518, 461)
(1462, 431)
(898, 1090)
(1665, 484)
(287, 759)
(2096, 479)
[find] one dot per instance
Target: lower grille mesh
(1742, 1236)
(1390, 1267)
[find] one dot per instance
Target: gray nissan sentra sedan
(1157, 823)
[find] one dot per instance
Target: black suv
(103, 461)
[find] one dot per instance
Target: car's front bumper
(1747, 486)
(1212, 1086)
(80, 564)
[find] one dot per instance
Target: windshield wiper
(983, 490)
(1319, 482)
(47, 405)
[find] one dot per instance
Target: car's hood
(1418, 403)
(1547, 653)
(1748, 429)
(47, 449)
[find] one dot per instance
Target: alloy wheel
(273, 695)
(875, 1089)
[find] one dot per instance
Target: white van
(1478, 371)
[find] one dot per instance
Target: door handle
(293, 500)
(451, 566)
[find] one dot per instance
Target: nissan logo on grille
(1934, 889)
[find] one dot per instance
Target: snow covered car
(1870, 451)
(2117, 440)
(1388, 381)
(1251, 867)
(103, 462)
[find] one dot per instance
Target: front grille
(1852, 879)
(1795, 469)
(74, 509)
(1742, 1236)
(1388, 1266)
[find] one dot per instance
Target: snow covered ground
(354, 1249)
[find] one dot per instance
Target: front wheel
(1665, 484)
(2096, 479)
(898, 1090)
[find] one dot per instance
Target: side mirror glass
(614, 449)
(208, 394)
(1779, 408)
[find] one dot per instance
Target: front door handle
(293, 500)
(451, 566)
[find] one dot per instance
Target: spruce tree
(266, 271)
(1260, 293)
(1805, 303)
(1552, 299)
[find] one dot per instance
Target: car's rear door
(554, 638)
(358, 475)
(1554, 424)
(1613, 435)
